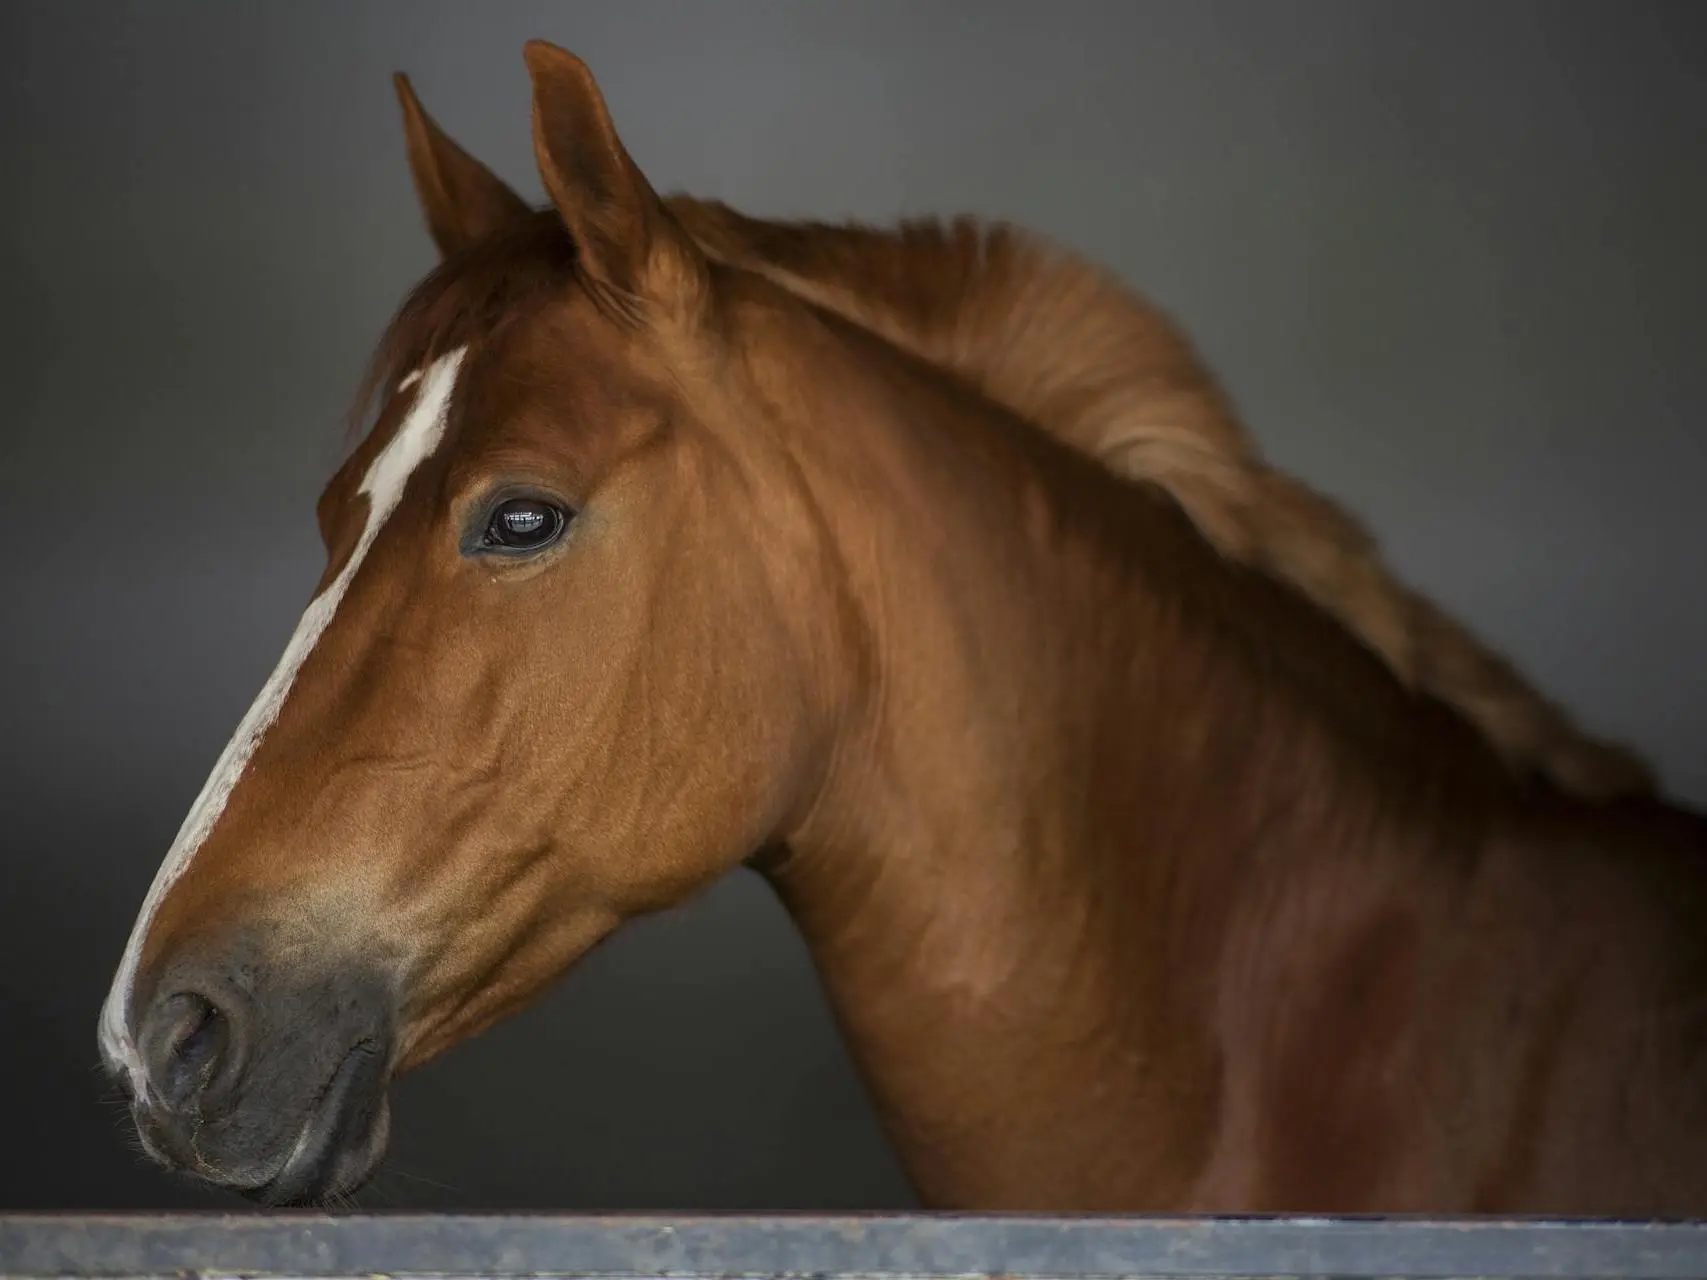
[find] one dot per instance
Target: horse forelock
(465, 299)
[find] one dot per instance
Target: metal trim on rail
(830, 1248)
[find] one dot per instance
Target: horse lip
(308, 1172)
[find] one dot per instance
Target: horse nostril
(194, 1038)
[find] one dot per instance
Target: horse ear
(624, 237)
(464, 200)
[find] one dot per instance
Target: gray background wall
(1449, 258)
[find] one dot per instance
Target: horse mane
(1068, 347)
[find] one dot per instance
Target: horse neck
(1081, 732)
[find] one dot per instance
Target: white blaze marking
(415, 440)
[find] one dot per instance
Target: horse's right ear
(464, 200)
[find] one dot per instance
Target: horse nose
(191, 1045)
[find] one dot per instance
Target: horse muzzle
(261, 1080)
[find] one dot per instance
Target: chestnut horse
(1158, 850)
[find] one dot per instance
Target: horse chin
(342, 1139)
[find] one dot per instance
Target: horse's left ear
(625, 239)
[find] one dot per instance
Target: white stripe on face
(383, 484)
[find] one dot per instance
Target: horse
(1157, 848)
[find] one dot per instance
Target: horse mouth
(341, 1138)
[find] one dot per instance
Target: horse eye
(524, 524)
